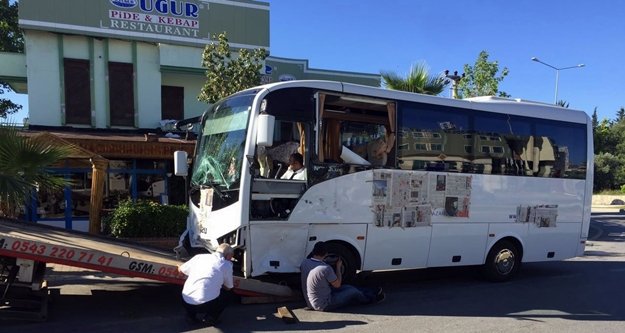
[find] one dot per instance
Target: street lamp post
(455, 78)
(555, 100)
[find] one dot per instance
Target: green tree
(482, 79)
(607, 171)
(226, 75)
(418, 80)
(595, 118)
(11, 40)
(604, 138)
(620, 114)
(23, 163)
(617, 133)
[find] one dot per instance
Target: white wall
(76, 47)
(148, 85)
(100, 84)
(192, 85)
(43, 60)
(44, 91)
(120, 51)
(180, 56)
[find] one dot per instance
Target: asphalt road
(579, 295)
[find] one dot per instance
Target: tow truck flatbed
(31, 241)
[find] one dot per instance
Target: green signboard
(187, 22)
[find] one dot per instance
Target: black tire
(503, 262)
(350, 263)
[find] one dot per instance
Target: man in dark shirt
(323, 289)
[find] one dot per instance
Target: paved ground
(89, 301)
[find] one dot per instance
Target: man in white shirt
(296, 168)
(206, 275)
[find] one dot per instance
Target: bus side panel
(562, 241)
(457, 244)
(397, 248)
(277, 247)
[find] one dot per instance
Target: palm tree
(23, 163)
(418, 80)
(563, 104)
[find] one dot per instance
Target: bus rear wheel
(348, 273)
(503, 262)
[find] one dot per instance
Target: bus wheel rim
(504, 261)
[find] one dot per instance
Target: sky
(371, 36)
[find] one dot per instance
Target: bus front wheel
(503, 262)
(348, 273)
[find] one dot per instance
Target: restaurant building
(112, 76)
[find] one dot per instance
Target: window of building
(121, 94)
(77, 91)
(172, 102)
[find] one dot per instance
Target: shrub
(147, 219)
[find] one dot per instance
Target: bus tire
(503, 262)
(348, 273)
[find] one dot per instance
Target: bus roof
(518, 107)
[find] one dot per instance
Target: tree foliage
(23, 163)
(418, 80)
(11, 40)
(483, 78)
(620, 114)
(607, 169)
(609, 142)
(11, 37)
(226, 75)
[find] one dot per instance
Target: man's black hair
(320, 249)
(298, 158)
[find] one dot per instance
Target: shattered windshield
(219, 155)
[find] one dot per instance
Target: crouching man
(206, 291)
(323, 289)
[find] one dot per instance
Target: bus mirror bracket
(264, 133)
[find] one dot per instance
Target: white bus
(395, 180)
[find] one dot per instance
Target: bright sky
(370, 36)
